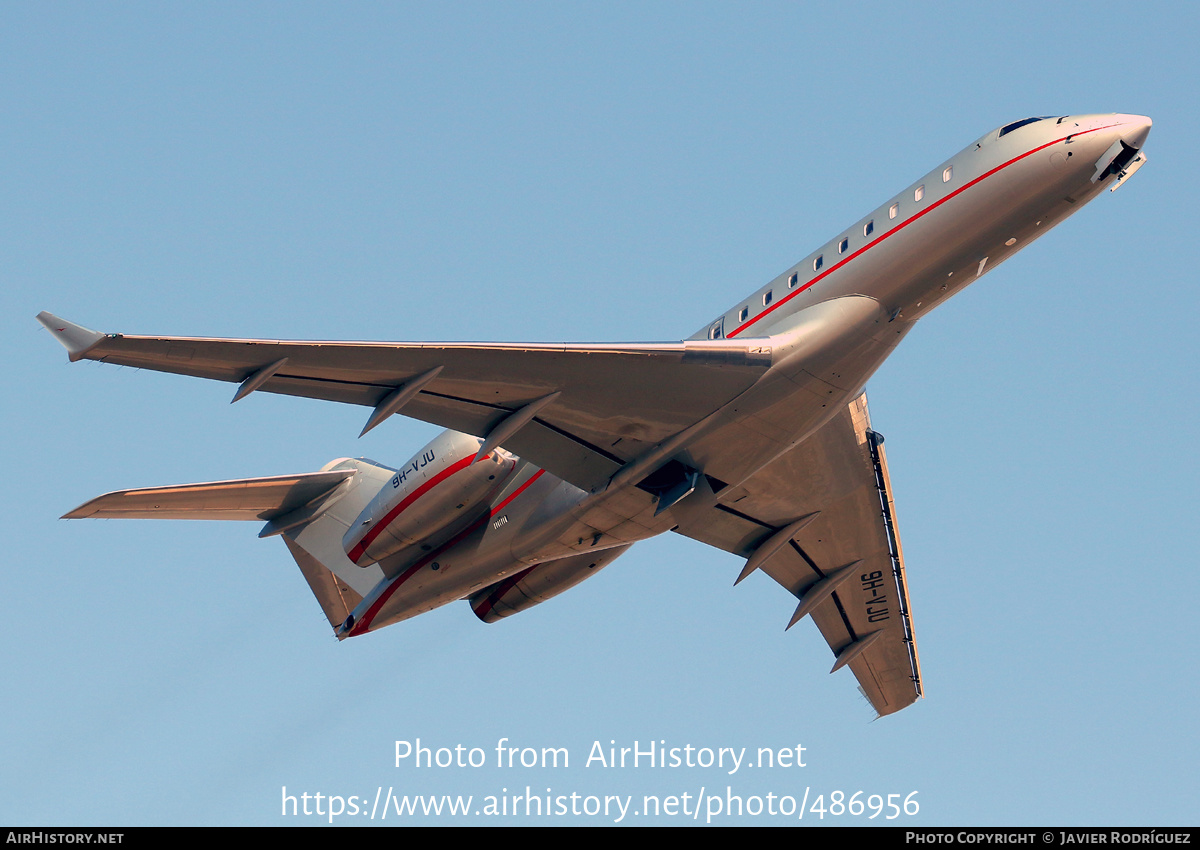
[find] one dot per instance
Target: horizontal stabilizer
(241, 499)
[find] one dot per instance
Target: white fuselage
(827, 324)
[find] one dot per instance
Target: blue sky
(586, 172)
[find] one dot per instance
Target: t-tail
(312, 511)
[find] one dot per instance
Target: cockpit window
(1008, 128)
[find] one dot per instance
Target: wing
(609, 404)
(582, 412)
(820, 518)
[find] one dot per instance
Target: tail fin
(312, 511)
(337, 599)
(316, 542)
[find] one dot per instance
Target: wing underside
(840, 475)
(613, 402)
(592, 409)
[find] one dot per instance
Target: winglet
(77, 340)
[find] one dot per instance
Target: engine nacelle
(436, 491)
(538, 583)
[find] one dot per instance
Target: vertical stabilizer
(337, 598)
(316, 543)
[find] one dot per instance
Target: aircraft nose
(1135, 129)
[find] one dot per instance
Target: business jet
(752, 435)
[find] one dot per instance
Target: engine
(538, 583)
(434, 495)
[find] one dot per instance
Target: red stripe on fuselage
(489, 601)
(364, 625)
(903, 225)
(516, 493)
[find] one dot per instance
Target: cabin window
(715, 331)
(743, 313)
(817, 263)
(948, 173)
(843, 245)
(869, 228)
(919, 193)
(894, 211)
(767, 297)
(793, 280)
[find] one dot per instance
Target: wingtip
(76, 339)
